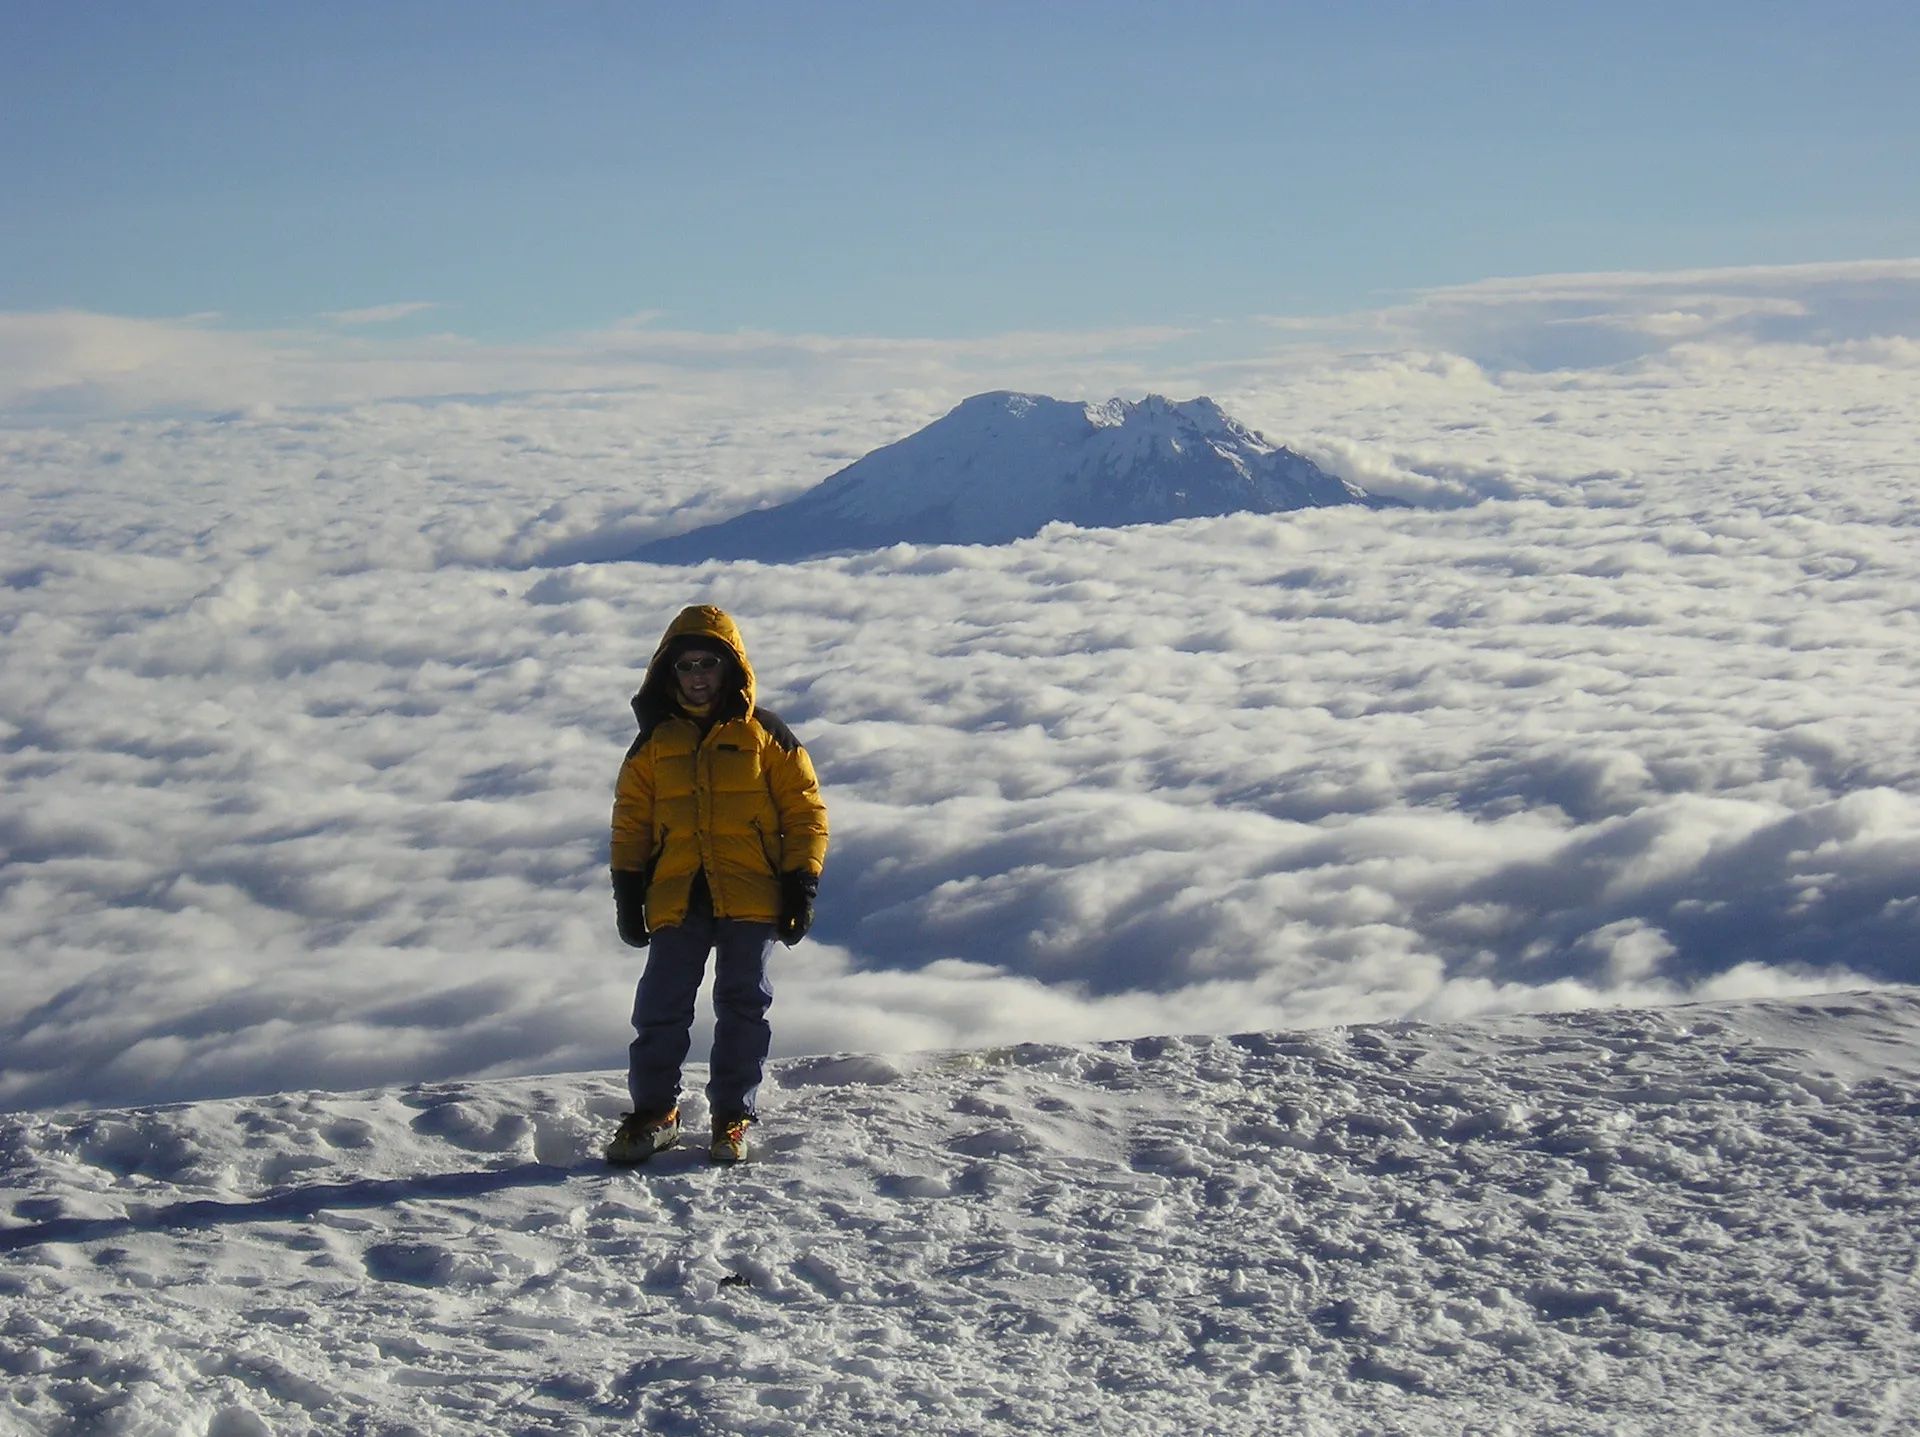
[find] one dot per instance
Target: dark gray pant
(663, 1013)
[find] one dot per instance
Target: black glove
(797, 892)
(630, 907)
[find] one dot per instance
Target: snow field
(1695, 1218)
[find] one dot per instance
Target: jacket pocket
(735, 769)
(767, 847)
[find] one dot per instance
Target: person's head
(700, 672)
(701, 631)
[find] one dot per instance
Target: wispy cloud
(1574, 321)
(73, 364)
(67, 362)
(381, 313)
(80, 365)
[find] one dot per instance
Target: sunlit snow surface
(1695, 1219)
(1002, 466)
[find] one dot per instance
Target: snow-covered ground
(1698, 1219)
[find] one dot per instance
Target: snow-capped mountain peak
(1000, 466)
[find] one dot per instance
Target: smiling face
(699, 673)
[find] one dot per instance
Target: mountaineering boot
(640, 1138)
(729, 1140)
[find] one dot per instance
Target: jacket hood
(700, 626)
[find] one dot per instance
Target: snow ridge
(1002, 466)
(1696, 1219)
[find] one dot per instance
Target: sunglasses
(696, 664)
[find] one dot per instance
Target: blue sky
(921, 170)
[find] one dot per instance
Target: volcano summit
(1001, 466)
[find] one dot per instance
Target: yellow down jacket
(734, 794)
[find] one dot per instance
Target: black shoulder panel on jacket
(649, 716)
(776, 728)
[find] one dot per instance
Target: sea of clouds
(315, 683)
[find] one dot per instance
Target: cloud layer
(311, 718)
(66, 364)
